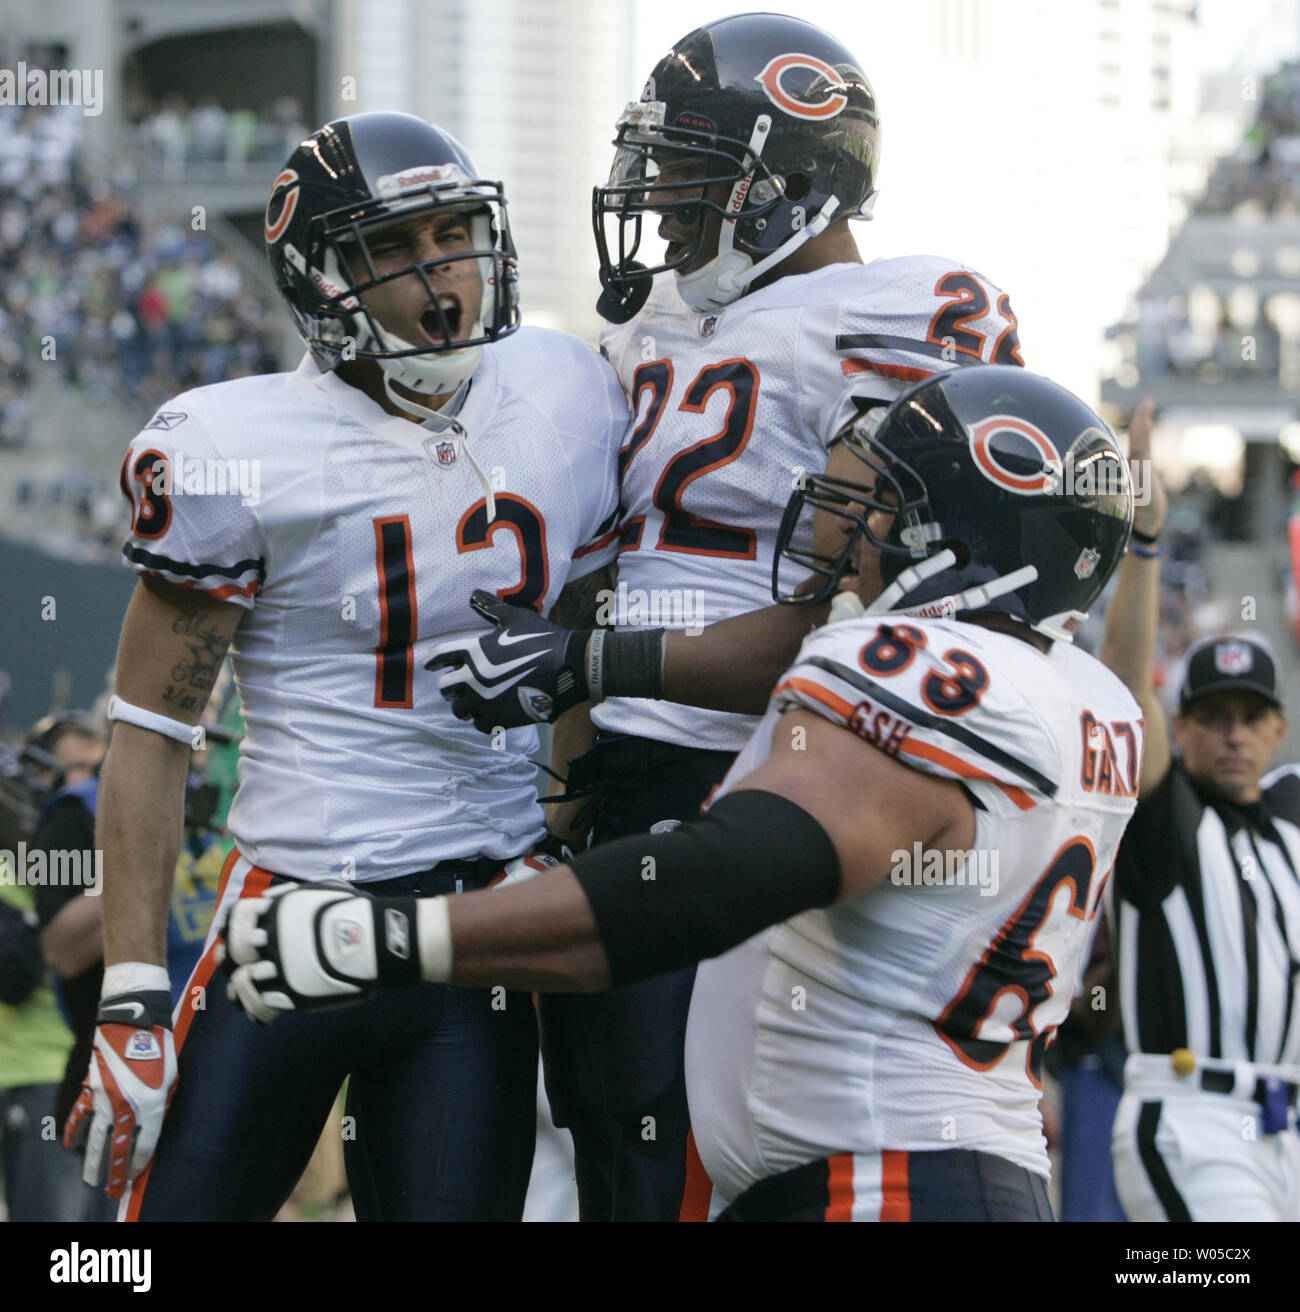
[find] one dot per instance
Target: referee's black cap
(1232, 662)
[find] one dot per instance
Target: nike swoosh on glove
(524, 670)
(124, 1097)
(302, 947)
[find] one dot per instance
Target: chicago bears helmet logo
(284, 191)
(827, 82)
(991, 464)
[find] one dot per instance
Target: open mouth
(443, 324)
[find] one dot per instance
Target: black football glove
(525, 670)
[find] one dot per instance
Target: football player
(426, 443)
(898, 875)
(754, 143)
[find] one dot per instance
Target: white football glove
(119, 1112)
(321, 945)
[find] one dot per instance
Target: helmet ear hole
(958, 549)
(797, 186)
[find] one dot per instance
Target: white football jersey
(733, 407)
(914, 1017)
(355, 538)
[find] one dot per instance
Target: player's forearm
(537, 935)
(1131, 622)
(734, 664)
(140, 814)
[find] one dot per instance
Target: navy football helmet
(761, 119)
(343, 182)
(1006, 493)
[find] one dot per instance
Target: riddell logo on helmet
(420, 176)
(770, 79)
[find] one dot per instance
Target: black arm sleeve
(665, 901)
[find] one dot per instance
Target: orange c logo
(834, 101)
(275, 228)
(1048, 478)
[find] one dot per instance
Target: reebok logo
(102, 1266)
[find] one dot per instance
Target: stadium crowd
(176, 139)
(1265, 169)
(1261, 179)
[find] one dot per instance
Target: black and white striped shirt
(1207, 921)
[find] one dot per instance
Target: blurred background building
(1128, 170)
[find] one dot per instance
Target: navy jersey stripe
(138, 556)
(884, 342)
(925, 720)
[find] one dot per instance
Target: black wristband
(626, 663)
(1146, 539)
(148, 1009)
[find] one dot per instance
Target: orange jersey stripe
(818, 693)
(895, 1195)
(839, 1187)
(929, 752)
(699, 1188)
(906, 373)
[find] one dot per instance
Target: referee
(1206, 908)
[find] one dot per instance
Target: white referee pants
(1183, 1154)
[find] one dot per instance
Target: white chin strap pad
(718, 283)
(726, 276)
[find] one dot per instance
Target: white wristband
(433, 930)
(142, 719)
(134, 977)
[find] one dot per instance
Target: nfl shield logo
(1233, 658)
(708, 325)
(445, 451)
(1086, 563)
(536, 704)
(142, 1046)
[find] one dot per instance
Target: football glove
(548, 854)
(302, 947)
(119, 1113)
(524, 670)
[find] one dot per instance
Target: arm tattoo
(577, 605)
(194, 677)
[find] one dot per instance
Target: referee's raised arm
(1134, 613)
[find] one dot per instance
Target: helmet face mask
(780, 125)
(344, 190)
(1005, 494)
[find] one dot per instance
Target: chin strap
(444, 420)
(726, 276)
(945, 607)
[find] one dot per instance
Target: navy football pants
(441, 1103)
(614, 1062)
